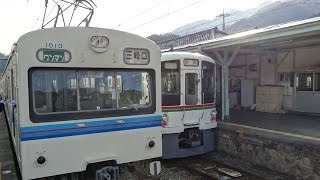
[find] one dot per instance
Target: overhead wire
(165, 15)
(141, 13)
(45, 17)
(37, 20)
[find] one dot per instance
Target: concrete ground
(305, 125)
(7, 166)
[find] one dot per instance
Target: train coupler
(108, 173)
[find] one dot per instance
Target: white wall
(267, 71)
(243, 67)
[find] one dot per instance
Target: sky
(142, 17)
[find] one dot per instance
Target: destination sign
(136, 56)
(53, 56)
(191, 62)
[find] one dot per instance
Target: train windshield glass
(54, 91)
(170, 73)
(208, 81)
(57, 91)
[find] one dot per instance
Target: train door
(192, 97)
(7, 97)
(13, 106)
(9, 105)
(15, 116)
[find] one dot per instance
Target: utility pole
(223, 15)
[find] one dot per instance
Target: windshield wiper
(131, 104)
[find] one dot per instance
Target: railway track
(202, 168)
(209, 172)
(209, 169)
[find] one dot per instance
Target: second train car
(188, 104)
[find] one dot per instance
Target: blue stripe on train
(85, 127)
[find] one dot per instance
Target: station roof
(288, 35)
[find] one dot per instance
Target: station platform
(7, 165)
(296, 125)
(286, 143)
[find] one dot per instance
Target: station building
(268, 89)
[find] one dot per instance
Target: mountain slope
(207, 24)
(278, 13)
(2, 55)
(268, 13)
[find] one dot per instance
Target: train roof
(183, 55)
(84, 29)
(32, 41)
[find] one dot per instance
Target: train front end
(188, 104)
(86, 102)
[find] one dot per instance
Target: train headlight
(94, 41)
(41, 160)
(104, 41)
(165, 119)
(213, 114)
(151, 144)
(99, 43)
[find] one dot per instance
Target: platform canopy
(268, 41)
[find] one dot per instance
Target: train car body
(75, 97)
(188, 104)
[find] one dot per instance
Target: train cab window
(170, 73)
(95, 91)
(208, 82)
(91, 93)
(53, 91)
(192, 82)
(133, 89)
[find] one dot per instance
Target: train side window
(12, 85)
(317, 82)
(8, 92)
(208, 82)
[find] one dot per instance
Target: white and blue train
(188, 104)
(82, 100)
